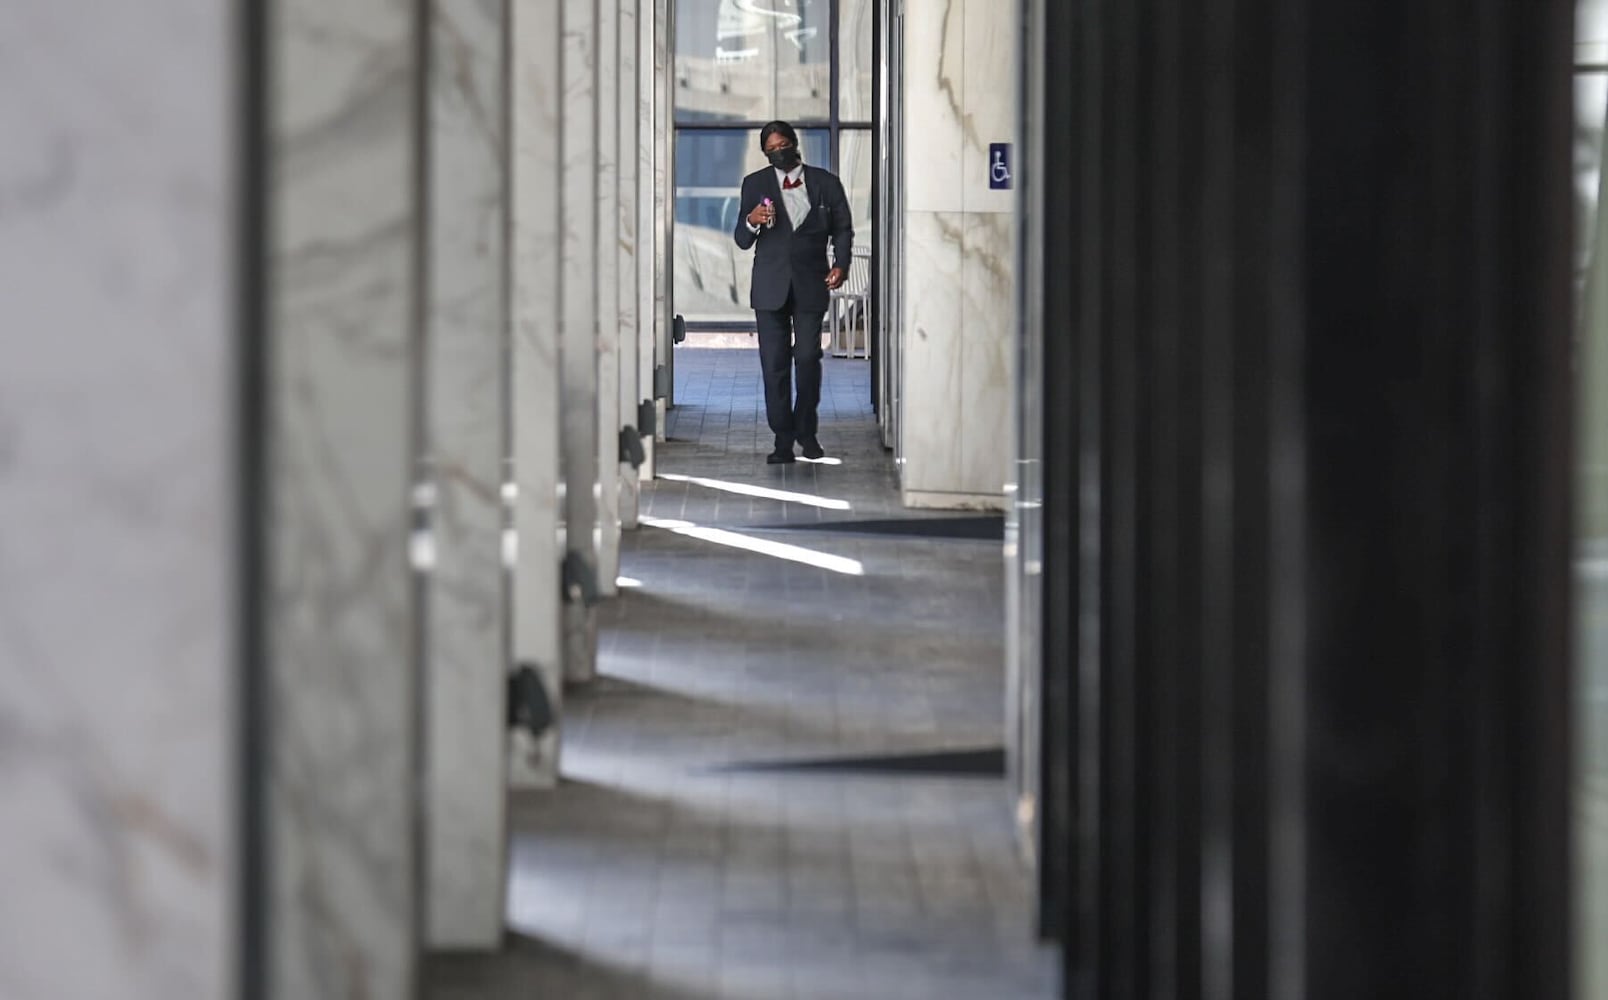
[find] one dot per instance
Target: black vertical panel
(1254, 44)
(1159, 645)
(1282, 880)
(1089, 721)
(252, 152)
(1307, 455)
(1062, 152)
(1436, 277)
(1188, 235)
(1122, 895)
(1527, 237)
(1383, 518)
(873, 312)
(1217, 262)
(1144, 402)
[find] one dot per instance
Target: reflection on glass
(752, 60)
(855, 96)
(1591, 95)
(1591, 542)
(1591, 32)
(711, 275)
(854, 156)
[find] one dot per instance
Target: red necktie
(789, 184)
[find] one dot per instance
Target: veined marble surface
(466, 660)
(609, 334)
(579, 301)
(960, 258)
(647, 204)
(989, 95)
(933, 331)
(988, 325)
(630, 130)
(119, 668)
(663, 152)
(535, 226)
(344, 759)
(936, 122)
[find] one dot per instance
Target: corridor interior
(787, 780)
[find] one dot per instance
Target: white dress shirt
(797, 201)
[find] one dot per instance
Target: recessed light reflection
(762, 492)
(821, 461)
(627, 582)
(760, 546)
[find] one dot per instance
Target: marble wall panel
(608, 294)
(535, 189)
(630, 129)
(935, 124)
(649, 274)
(663, 173)
(934, 253)
(465, 639)
(343, 324)
(960, 94)
(989, 96)
(119, 656)
(579, 307)
(988, 324)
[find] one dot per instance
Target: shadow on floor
(662, 866)
(986, 762)
(529, 969)
(983, 528)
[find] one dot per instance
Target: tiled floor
(663, 867)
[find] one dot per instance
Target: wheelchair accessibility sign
(999, 166)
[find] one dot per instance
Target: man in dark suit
(788, 212)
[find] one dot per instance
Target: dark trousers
(790, 338)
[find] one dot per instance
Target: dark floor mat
(986, 528)
(986, 762)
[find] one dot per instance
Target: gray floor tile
(656, 869)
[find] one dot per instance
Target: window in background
(855, 97)
(854, 167)
(711, 275)
(1591, 527)
(753, 60)
(739, 64)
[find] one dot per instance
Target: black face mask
(785, 158)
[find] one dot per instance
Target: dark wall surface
(1306, 329)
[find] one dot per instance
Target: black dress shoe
(812, 448)
(781, 456)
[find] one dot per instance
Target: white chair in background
(849, 307)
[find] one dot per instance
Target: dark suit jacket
(797, 259)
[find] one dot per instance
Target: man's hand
(762, 215)
(834, 278)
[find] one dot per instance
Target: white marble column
(120, 493)
(960, 303)
(579, 302)
(663, 203)
(341, 408)
(466, 656)
(630, 394)
(608, 294)
(536, 241)
(648, 275)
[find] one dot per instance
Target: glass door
(738, 65)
